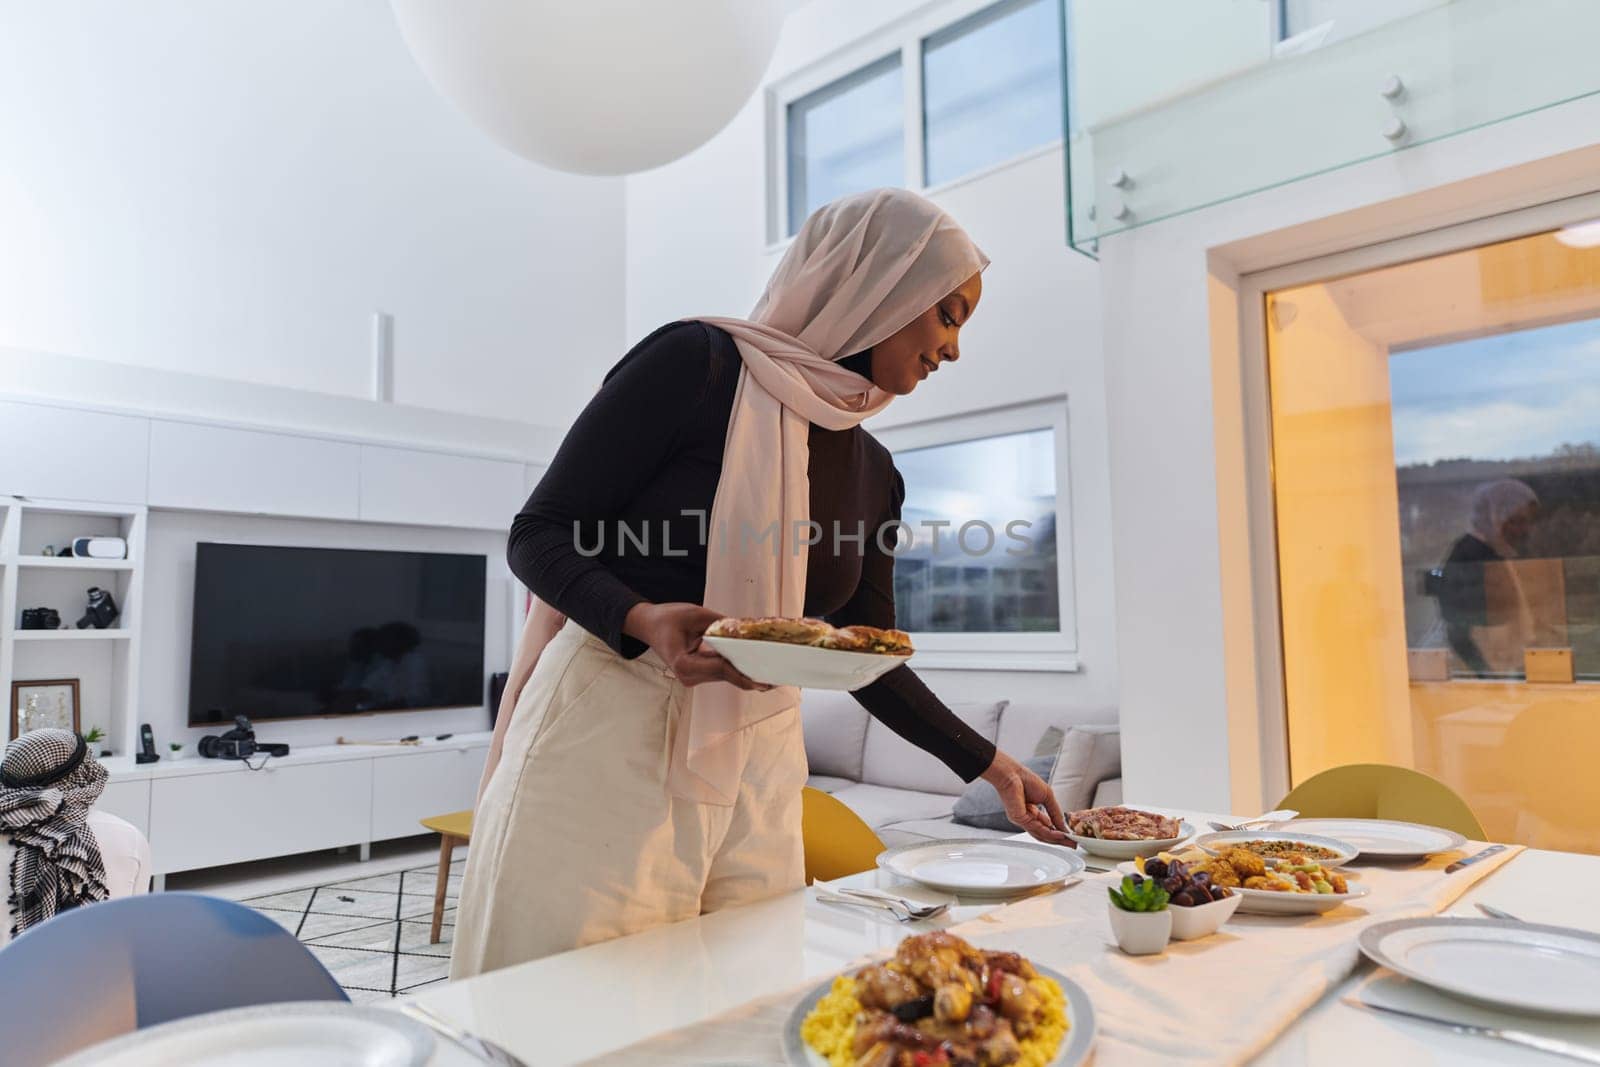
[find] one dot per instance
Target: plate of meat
(941, 1001)
(1119, 833)
(808, 652)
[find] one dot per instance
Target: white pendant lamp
(594, 86)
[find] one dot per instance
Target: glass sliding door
(1436, 471)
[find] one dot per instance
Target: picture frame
(46, 702)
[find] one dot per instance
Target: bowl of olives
(1198, 905)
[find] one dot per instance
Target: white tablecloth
(1221, 999)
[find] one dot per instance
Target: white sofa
(906, 795)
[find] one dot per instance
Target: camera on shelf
(237, 743)
(101, 612)
(41, 619)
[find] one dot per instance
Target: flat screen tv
(290, 633)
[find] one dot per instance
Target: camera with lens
(237, 743)
(101, 612)
(41, 619)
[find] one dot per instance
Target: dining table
(660, 996)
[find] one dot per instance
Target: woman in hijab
(48, 783)
(1503, 514)
(643, 780)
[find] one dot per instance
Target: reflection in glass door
(1436, 471)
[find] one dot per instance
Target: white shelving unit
(105, 662)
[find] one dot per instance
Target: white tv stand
(205, 812)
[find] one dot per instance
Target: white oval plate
(1127, 850)
(1074, 1048)
(982, 867)
(1217, 842)
(776, 663)
(320, 1032)
(1522, 967)
(1271, 902)
(1381, 838)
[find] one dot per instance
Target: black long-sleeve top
(620, 516)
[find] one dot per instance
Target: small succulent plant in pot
(178, 749)
(1140, 918)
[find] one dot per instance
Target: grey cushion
(835, 729)
(1108, 793)
(888, 760)
(828, 783)
(919, 831)
(1089, 755)
(980, 805)
(879, 806)
(1023, 723)
(1050, 743)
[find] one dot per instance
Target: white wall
(169, 611)
(696, 235)
(232, 188)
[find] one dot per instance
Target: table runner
(1221, 999)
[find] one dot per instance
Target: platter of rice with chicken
(941, 1002)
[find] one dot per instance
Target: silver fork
(1259, 822)
(916, 909)
(481, 1047)
(894, 907)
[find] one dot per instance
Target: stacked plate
(1516, 966)
(982, 867)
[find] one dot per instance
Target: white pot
(1202, 919)
(1141, 933)
(182, 753)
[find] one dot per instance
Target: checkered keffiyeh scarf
(48, 783)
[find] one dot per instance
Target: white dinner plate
(1127, 850)
(982, 867)
(1523, 967)
(1273, 902)
(325, 1033)
(776, 663)
(1380, 838)
(1074, 1049)
(1345, 851)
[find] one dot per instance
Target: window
(980, 570)
(846, 137)
(991, 88)
(1435, 463)
(967, 84)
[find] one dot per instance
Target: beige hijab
(860, 268)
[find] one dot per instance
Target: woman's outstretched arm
(542, 623)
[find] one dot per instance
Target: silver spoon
(894, 908)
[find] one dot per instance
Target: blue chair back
(107, 969)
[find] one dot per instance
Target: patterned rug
(372, 932)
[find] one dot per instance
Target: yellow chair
(837, 842)
(453, 829)
(1379, 791)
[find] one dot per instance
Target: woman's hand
(673, 632)
(1029, 800)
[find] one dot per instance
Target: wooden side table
(453, 829)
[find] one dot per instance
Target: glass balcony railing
(1174, 105)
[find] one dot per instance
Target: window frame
(1056, 651)
(907, 37)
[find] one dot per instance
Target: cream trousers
(577, 839)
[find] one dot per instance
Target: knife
(1516, 1037)
(1468, 861)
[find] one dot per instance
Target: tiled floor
(371, 931)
